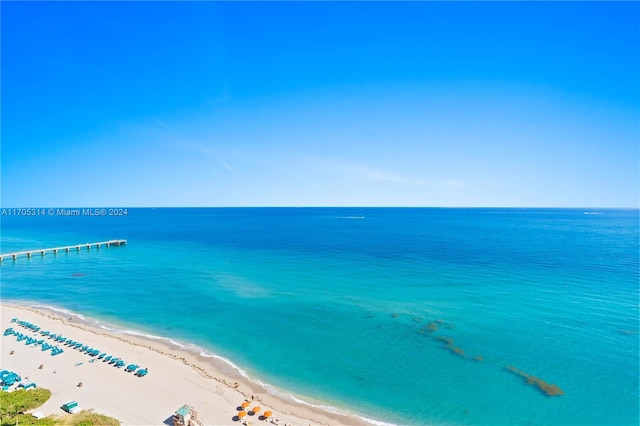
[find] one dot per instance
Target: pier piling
(55, 250)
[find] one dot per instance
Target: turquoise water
(340, 305)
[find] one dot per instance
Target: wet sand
(176, 377)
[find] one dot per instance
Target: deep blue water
(345, 305)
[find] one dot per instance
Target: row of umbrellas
(254, 410)
(117, 362)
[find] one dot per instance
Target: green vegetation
(28, 419)
(88, 418)
(12, 404)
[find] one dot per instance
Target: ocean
(403, 315)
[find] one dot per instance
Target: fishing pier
(66, 249)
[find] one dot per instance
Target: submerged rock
(445, 339)
(549, 389)
(432, 326)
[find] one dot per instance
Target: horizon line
(318, 207)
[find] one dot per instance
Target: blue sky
(320, 104)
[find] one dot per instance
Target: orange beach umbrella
(256, 409)
(245, 404)
(241, 414)
(267, 413)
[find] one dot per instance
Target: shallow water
(345, 306)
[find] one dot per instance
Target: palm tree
(19, 412)
(4, 411)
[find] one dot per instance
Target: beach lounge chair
(102, 355)
(120, 363)
(142, 372)
(131, 368)
(107, 358)
(71, 407)
(27, 385)
(8, 378)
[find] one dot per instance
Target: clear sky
(320, 104)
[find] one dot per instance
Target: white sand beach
(176, 377)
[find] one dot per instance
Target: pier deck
(66, 249)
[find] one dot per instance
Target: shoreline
(213, 385)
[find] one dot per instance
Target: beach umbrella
(241, 414)
(245, 404)
(267, 413)
(256, 409)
